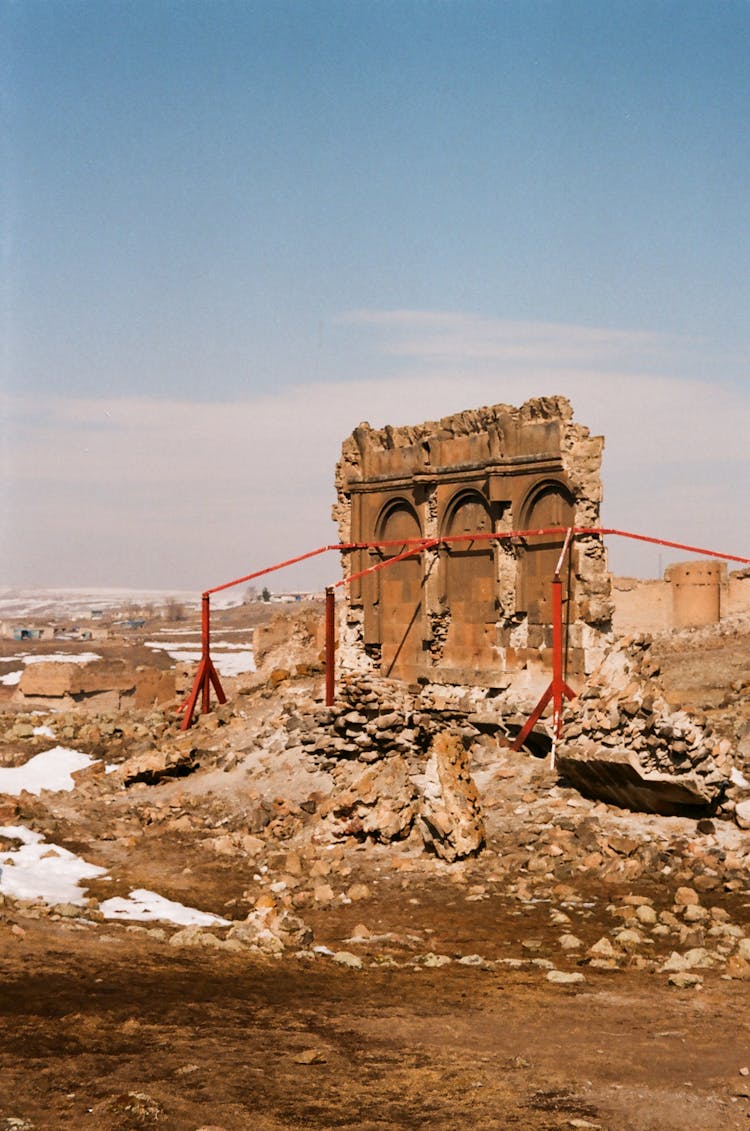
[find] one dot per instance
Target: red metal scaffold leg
(206, 674)
(558, 689)
(330, 646)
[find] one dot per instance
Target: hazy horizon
(234, 230)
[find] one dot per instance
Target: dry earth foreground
(415, 926)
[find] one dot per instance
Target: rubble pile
(375, 718)
(112, 735)
(286, 817)
(290, 641)
(372, 719)
(623, 716)
(381, 804)
(415, 759)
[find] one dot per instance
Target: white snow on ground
(10, 679)
(50, 658)
(239, 660)
(197, 632)
(51, 769)
(234, 665)
(59, 658)
(38, 870)
(173, 632)
(218, 646)
(78, 603)
(147, 906)
(44, 732)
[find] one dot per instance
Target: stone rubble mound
(381, 804)
(378, 723)
(372, 719)
(623, 716)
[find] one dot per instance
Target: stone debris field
(377, 915)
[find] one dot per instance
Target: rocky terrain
(409, 924)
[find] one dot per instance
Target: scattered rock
(310, 1056)
(564, 978)
(685, 980)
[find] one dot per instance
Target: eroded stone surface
(471, 610)
(451, 813)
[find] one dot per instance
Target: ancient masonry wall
(689, 595)
(471, 612)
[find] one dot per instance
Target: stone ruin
(465, 626)
(472, 612)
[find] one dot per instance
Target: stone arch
(399, 592)
(548, 503)
(468, 511)
(469, 583)
(397, 519)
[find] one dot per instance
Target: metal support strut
(558, 689)
(206, 674)
(330, 646)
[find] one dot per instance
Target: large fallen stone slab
(154, 766)
(628, 743)
(52, 679)
(618, 777)
(452, 824)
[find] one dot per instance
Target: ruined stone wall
(471, 611)
(690, 594)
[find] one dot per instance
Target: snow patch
(146, 906)
(239, 659)
(60, 658)
(38, 870)
(234, 664)
(52, 769)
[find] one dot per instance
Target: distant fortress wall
(690, 594)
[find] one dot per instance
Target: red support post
(330, 646)
(206, 674)
(558, 689)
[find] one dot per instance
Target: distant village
(102, 623)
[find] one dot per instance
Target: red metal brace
(206, 674)
(330, 646)
(558, 688)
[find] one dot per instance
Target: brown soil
(89, 1018)
(107, 1026)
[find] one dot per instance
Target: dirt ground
(110, 1026)
(109, 1032)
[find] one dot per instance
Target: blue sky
(233, 230)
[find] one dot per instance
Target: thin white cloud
(449, 336)
(141, 492)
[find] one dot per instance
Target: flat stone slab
(618, 777)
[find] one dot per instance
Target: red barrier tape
(207, 673)
(479, 536)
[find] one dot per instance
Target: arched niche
(398, 520)
(399, 592)
(468, 582)
(548, 504)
